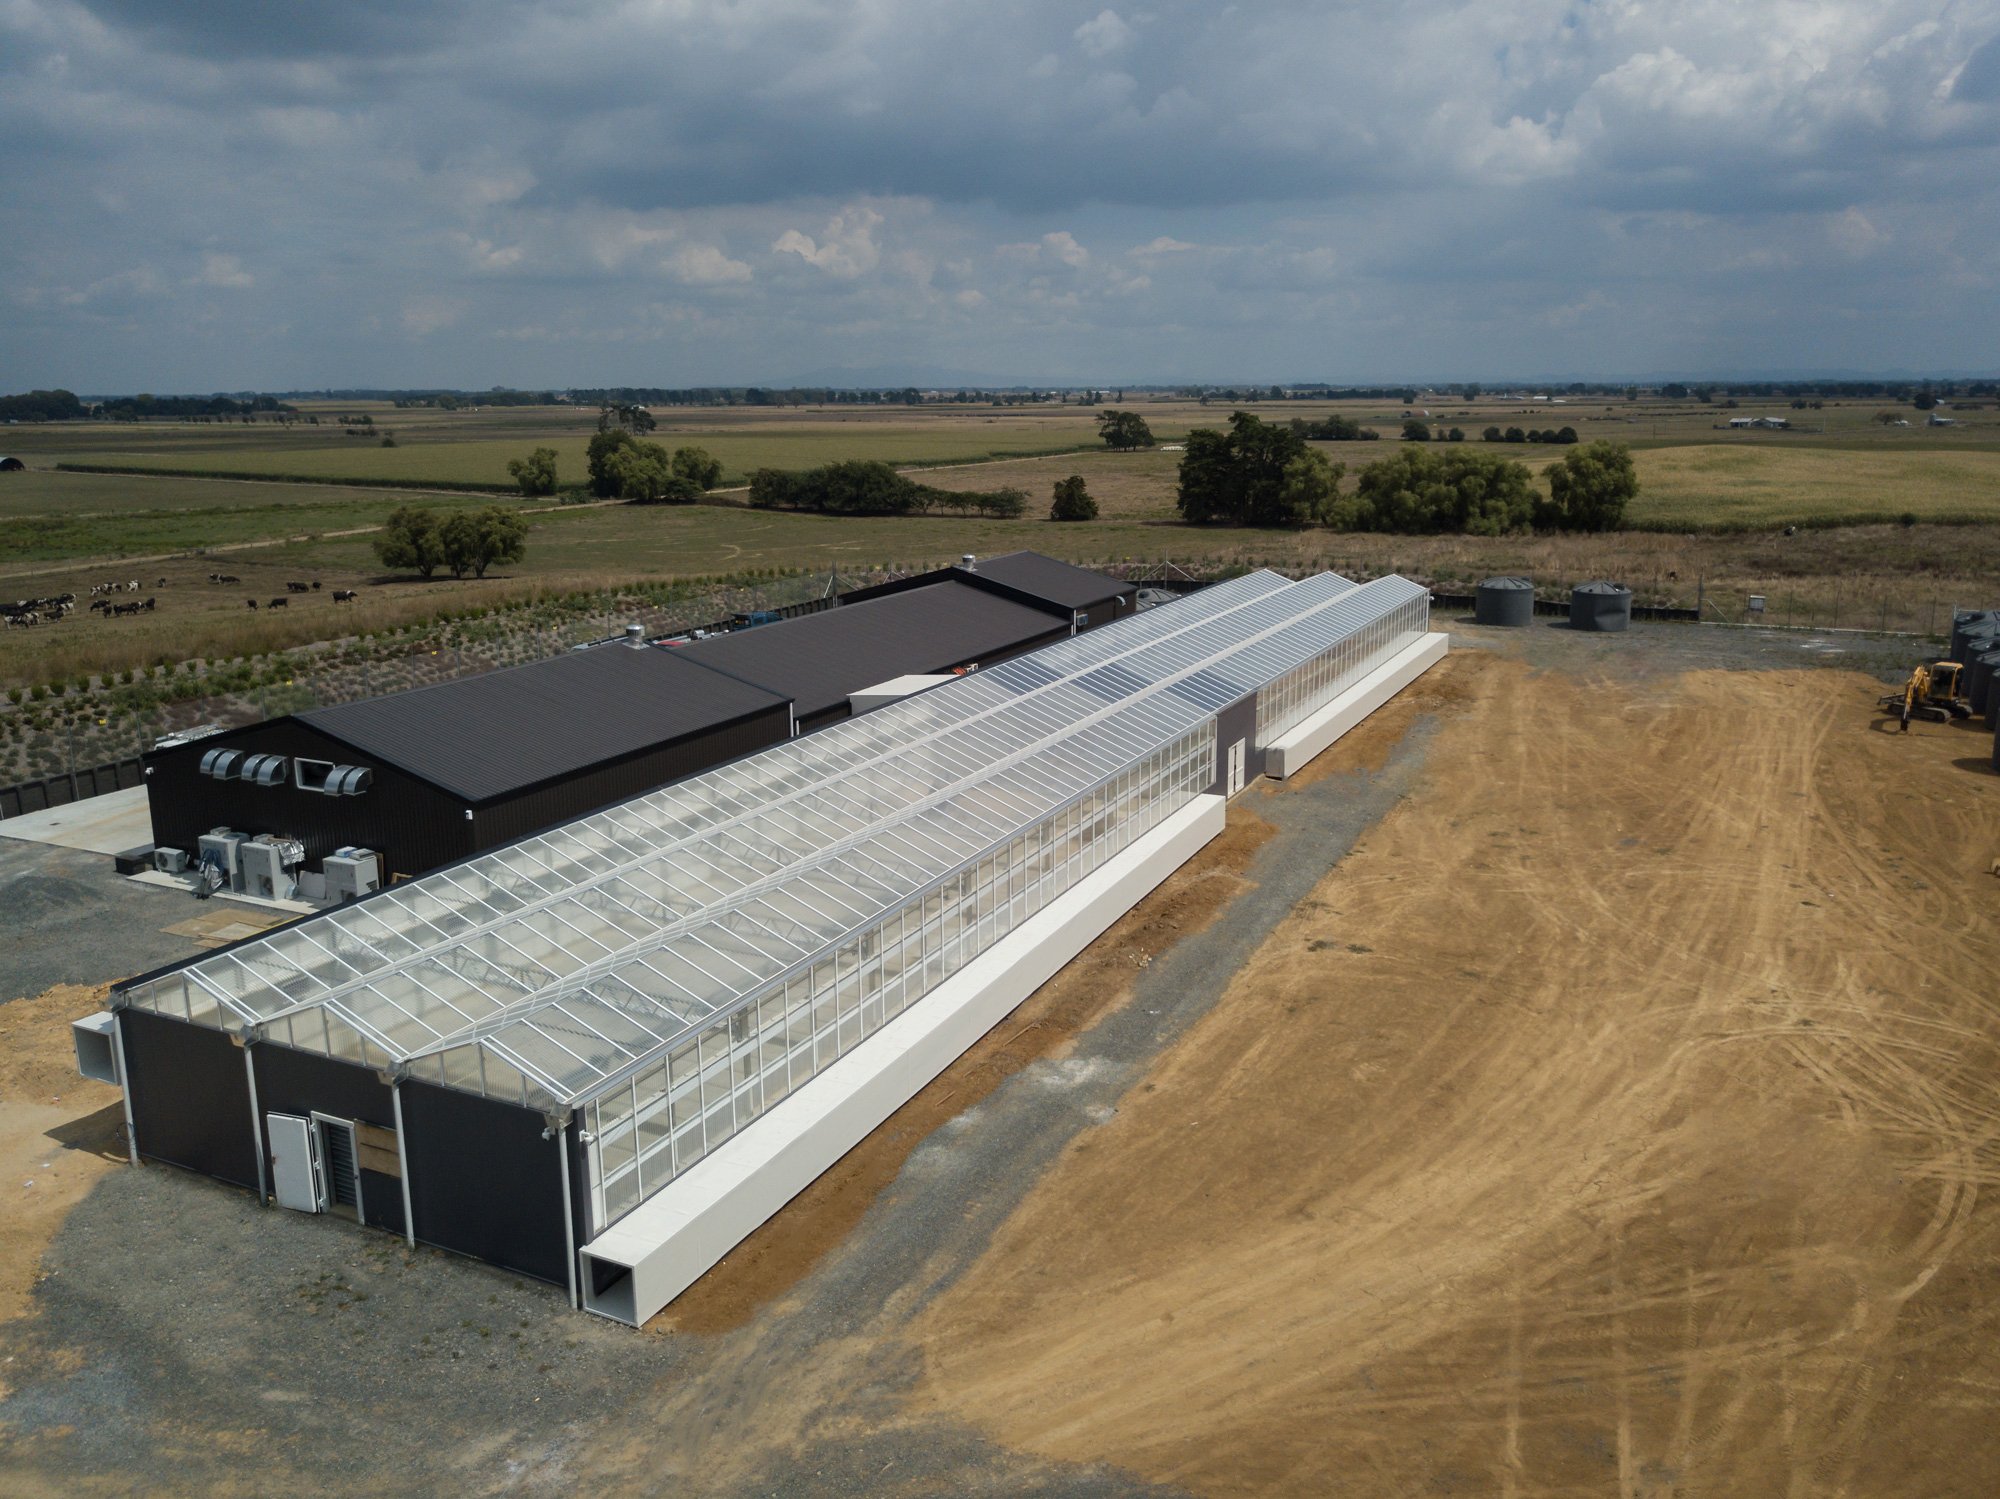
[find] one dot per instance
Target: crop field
(1729, 486)
(50, 517)
(472, 447)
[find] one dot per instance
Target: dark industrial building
(819, 660)
(1089, 599)
(330, 803)
(449, 770)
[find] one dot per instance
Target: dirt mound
(1615, 1119)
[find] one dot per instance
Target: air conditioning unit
(264, 871)
(218, 847)
(351, 872)
(170, 860)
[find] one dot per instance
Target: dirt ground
(59, 1133)
(1578, 1081)
(1615, 1118)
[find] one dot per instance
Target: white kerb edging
(1288, 755)
(672, 1238)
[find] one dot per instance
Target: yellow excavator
(1931, 693)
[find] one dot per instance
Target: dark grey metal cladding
(1237, 721)
(1600, 606)
(190, 1096)
(484, 1181)
(1508, 602)
(1962, 624)
(502, 731)
(818, 661)
(290, 1081)
(414, 826)
(1028, 577)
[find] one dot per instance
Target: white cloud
(845, 249)
(425, 315)
(704, 265)
(1104, 34)
(225, 271)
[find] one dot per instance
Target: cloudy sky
(223, 194)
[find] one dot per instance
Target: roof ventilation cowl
(969, 562)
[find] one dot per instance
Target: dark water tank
(1984, 691)
(1600, 606)
(1963, 624)
(1505, 601)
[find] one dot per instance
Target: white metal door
(294, 1162)
(1235, 767)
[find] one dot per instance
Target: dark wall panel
(412, 825)
(483, 1181)
(299, 1082)
(1237, 721)
(190, 1097)
(576, 796)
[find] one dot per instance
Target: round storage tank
(1973, 676)
(1505, 601)
(1600, 606)
(1963, 625)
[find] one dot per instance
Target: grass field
(473, 446)
(48, 517)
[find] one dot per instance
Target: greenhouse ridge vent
(602, 1054)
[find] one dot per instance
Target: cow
(315, 585)
(345, 595)
(250, 603)
(297, 588)
(150, 602)
(277, 603)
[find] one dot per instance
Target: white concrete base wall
(1286, 756)
(672, 1238)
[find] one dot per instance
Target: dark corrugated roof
(502, 731)
(818, 660)
(1045, 578)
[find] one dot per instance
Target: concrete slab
(107, 824)
(185, 884)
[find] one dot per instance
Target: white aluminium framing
(513, 975)
(310, 985)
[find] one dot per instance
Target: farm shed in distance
(820, 660)
(1089, 599)
(11, 465)
(467, 765)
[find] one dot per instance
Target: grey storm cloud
(210, 194)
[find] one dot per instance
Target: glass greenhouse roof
(546, 971)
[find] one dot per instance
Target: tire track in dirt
(1615, 1122)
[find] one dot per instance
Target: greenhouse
(612, 1002)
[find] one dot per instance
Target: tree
(1589, 489)
(536, 473)
(1072, 500)
(608, 442)
(1456, 434)
(646, 474)
(1124, 430)
(1491, 434)
(410, 542)
(612, 416)
(1309, 493)
(1416, 430)
(1420, 490)
(1245, 477)
(473, 540)
(697, 467)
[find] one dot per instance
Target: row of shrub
(1260, 474)
(866, 487)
